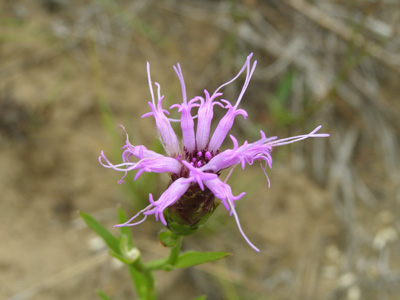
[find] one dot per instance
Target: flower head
(194, 165)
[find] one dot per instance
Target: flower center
(196, 158)
(199, 158)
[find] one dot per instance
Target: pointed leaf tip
(192, 258)
(111, 241)
(102, 295)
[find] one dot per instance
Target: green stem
(143, 280)
(142, 275)
(175, 251)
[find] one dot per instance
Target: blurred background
(71, 71)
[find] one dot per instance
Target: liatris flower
(195, 164)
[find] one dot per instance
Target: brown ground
(70, 72)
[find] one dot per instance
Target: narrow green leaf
(202, 297)
(192, 258)
(157, 264)
(102, 295)
(125, 230)
(111, 241)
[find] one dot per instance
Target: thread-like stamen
(246, 83)
(233, 212)
(297, 138)
(238, 74)
(115, 167)
(127, 223)
(265, 173)
(150, 85)
(230, 173)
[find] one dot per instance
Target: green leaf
(125, 230)
(157, 264)
(102, 295)
(111, 241)
(192, 258)
(202, 297)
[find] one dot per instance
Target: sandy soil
(69, 75)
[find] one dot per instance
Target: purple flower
(195, 163)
